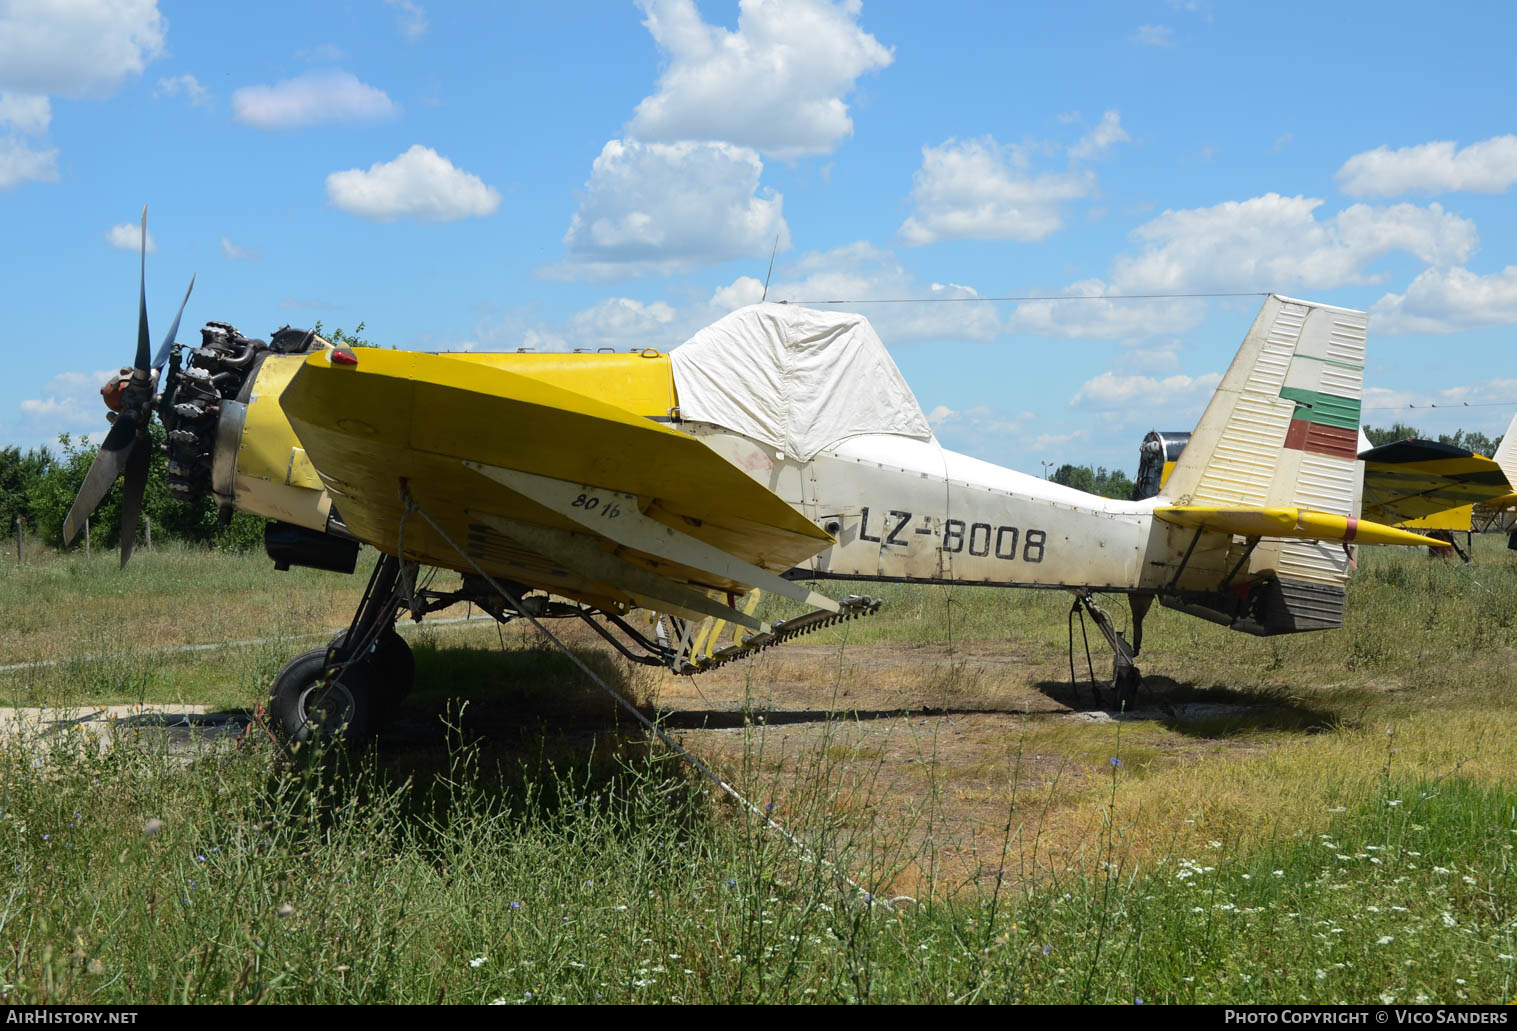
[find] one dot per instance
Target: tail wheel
(308, 703)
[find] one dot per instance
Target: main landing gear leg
(345, 688)
(1125, 677)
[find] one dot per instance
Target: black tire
(391, 666)
(306, 704)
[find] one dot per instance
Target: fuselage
(913, 511)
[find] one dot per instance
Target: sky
(617, 174)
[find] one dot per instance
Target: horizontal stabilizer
(1290, 522)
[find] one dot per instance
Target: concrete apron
(181, 730)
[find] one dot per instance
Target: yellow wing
(1427, 485)
(544, 485)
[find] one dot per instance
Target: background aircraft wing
(1427, 485)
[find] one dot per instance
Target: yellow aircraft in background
(776, 448)
(1410, 484)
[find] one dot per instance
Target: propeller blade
(168, 340)
(131, 500)
(109, 461)
(143, 346)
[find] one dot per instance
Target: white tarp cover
(797, 379)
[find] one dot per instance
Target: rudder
(1283, 429)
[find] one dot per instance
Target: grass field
(1320, 818)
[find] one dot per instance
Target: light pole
(1045, 469)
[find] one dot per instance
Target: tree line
(1477, 442)
(39, 485)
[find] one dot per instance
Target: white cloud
(1489, 166)
(79, 48)
(669, 207)
(1163, 358)
(19, 163)
(776, 84)
(1482, 406)
(1263, 243)
(974, 422)
(1112, 390)
(982, 190)
(1100, 139)
(1449, 301)
(315, 98)
(990, 434)
(622, 322)
(859, 272)
(1044, 441)
(69, 403)
(186, 86)
(419, 184)
(1098, 317)
(1274, 242)
(410, 18)
(506, 329)
(741, 292)
(128, 237)
(231, 252)
(27, 113)
(1154, 36)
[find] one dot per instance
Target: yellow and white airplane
(778, 447)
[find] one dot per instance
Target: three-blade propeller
(127, 447)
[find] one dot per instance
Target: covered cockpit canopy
(797, 379)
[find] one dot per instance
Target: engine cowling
(227, 436)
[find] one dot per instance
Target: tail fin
(1506, 454)
(1283, 430)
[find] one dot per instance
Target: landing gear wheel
(390, 666)
(307, 704)
(1127, 682)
